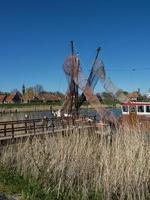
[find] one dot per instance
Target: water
(116, 112)
(25, 115)
(92, 113)
(42, 114)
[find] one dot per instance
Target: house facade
(2, 98)
(133, 96)
(14, 98)
(48, 97)
(43, 97)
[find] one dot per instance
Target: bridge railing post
(12, 129)
(25, 127)
(5, 130)
(53, 126)
(43, 123)
(34, 127)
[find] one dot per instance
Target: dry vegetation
(85, 165)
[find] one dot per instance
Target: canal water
(14, 116)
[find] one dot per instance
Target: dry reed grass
(86, 165)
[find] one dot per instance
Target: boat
(136, 113)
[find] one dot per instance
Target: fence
(20, 128)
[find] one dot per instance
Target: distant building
(134, 96)
(48, 97)
(15, 97)
(29, 98)
(43, 97)
(2, 98)
(148, 95)
(23, 89)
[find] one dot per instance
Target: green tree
(38, 89)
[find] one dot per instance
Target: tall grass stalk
(86, 165)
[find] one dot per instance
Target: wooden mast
(74, 86)
(89, 81)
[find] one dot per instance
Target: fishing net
(72, 69)
(76, 78)
(109, 86)
(96, 72)
(68, 69)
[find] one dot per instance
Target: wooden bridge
(12, 130)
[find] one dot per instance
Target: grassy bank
(30, 106)
(14, 184)
(83, 166)
(39, 106)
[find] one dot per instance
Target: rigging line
(132, 69)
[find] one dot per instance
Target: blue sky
(35, 35)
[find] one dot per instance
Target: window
(140, 108)
(148, 109)
(132, 109)
(125, 108)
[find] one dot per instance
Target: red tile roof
(10, 97)
(27, 97)
(133, 95)
(2, 97)
(45, 96)
(49, 97)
